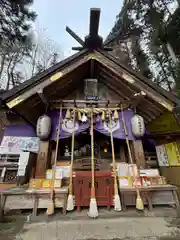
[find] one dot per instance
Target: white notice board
(162, 156)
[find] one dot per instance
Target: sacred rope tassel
(116, 115)
(103, 116)
(107, 114)
(79, 116)
(93, 210)
(50, 209)
(70, 201)
(68, 114)
(117, 201)
(139, 202)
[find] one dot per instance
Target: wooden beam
(139, 153)
(94, 21)
(152, 113)
(71, 79)
(162, 135)
(153, 107)
(42, 159)
(110, 86)
(89, 101)
(22, 116)
(126, 92)
(43, 98)
(144, 115)
(75, 36)
(60, 88)
(92, 69)
(122, 153)
(120, 84)
(136, 100)
(176, 112)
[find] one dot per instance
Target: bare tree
(19, 62)
(45, 53)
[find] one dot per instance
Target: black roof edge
(39, 77)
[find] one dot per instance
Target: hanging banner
(117, 126)
(67, 126)
(100, 126)
(162, 156)
(173, 153)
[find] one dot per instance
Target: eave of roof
(172, 97)
(40, 77)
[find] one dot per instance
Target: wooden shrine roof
(63, 78)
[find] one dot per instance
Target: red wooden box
(104, 188)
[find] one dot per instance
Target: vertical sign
(173, 154)
(162, 156)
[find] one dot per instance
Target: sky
(53, 16)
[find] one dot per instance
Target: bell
(68, 114)
(103, 116)
(84, 118)
(116, 115)
(79, 116)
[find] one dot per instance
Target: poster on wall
(17, 144)
(162, 156)
(173, 153)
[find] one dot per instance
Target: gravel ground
(161, 225)
(149, 228)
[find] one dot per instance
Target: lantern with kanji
(138, 125)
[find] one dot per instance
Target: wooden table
(32, 199)
(151, 195)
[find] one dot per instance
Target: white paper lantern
(43, 128)
(138, 125)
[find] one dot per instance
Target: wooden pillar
(42, 159)
(122, 154)
(139, 156)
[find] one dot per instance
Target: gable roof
(52, 70)
(67, 75)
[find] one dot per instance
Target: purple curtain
(67, 126)
(20, 130)
(100, 126)
(25, 130)
(117, 126)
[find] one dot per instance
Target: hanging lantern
(138, 125)
(68, 114)
(116, 115)
(43, 128)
